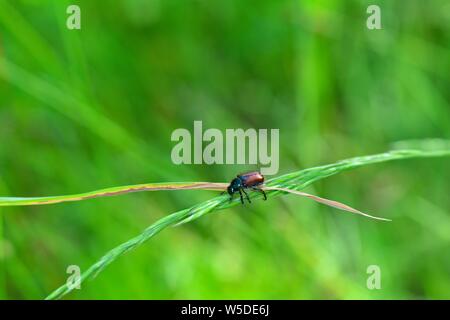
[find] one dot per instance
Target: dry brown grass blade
(331, 203)
(114, 191)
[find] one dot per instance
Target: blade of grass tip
(331, 203)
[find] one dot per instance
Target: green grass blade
(293, 181)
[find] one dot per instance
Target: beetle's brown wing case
(246, 174)
(252, 178)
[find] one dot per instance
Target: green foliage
(81, 110)
(293, 181)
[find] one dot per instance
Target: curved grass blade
(114, 191)
(292, 181)
(331, 203)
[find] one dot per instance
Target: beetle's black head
(234, 186)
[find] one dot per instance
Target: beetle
(249, 180)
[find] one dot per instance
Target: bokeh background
(83, 110)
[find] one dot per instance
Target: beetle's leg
(246, 195)
(264, 194)
(240, 193)
(260, 190)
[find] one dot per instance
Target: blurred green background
(83, 110)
